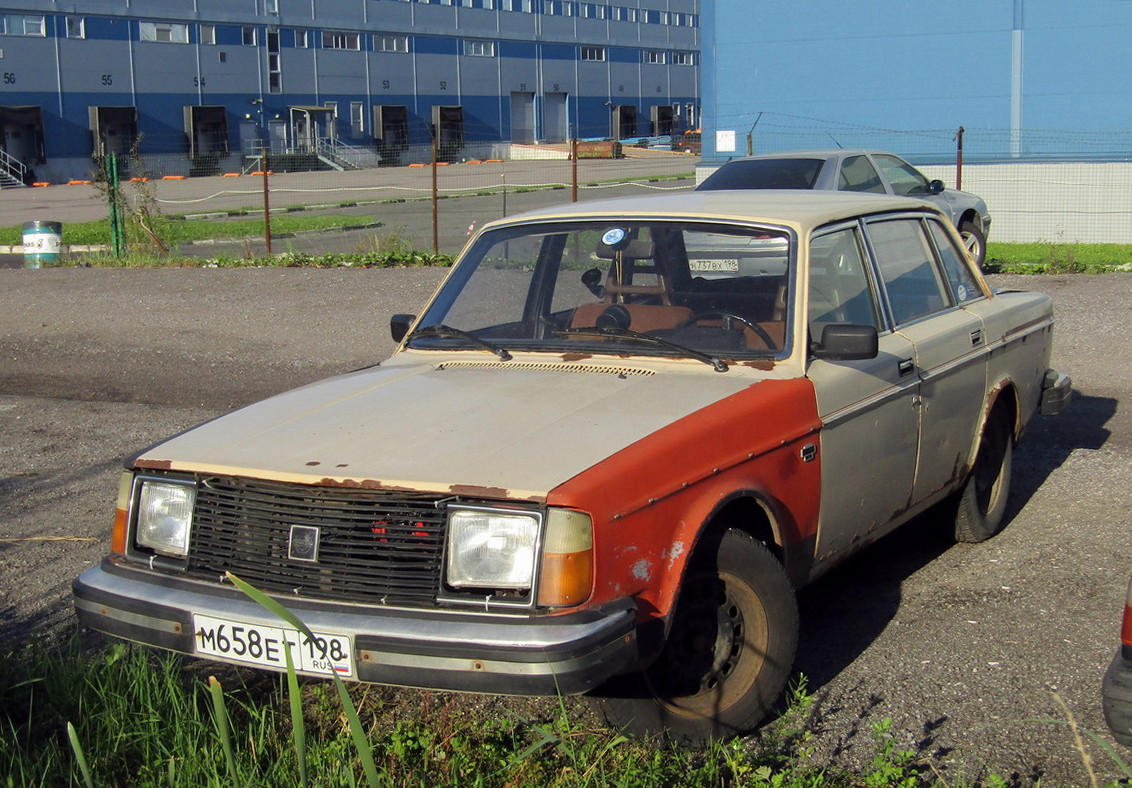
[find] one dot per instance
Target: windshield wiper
(612, 331)
(441, 330)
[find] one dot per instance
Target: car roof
(801, 209)
(828, 153)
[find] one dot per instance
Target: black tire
(975, 240)
(981, 505)
(729, 651)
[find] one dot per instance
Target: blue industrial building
(199, 85)
(1026, 79)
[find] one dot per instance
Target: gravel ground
(976, 652)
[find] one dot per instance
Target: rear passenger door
(926, 285)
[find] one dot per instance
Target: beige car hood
(506, 429)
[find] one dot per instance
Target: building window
(164, 32)
(302, 39)
(271, 6)
(593, 53)
(76, 27)
(654, 57)
(274, 68)
(477, 48)
(392, 43)
(23, 25)
(208, 34)
(248, 36)
(338, 39)
(683, 58)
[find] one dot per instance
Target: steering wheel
(727, 318)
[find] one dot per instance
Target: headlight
(165, 516)
(491, 548)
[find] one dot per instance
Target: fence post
(266, 204)
(117, 231)
(574, 168)
(959, 158)
(435, 201)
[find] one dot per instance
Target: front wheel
(728, 654)
(981, 505)
(975, 240)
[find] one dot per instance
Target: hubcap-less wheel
(717, 647)
(975, 241)
(980, 510)
(728, 653)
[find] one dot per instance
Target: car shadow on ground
(844, 612)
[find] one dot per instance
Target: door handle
(906, 366)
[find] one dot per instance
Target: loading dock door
(555, 119)
(663, 119)
(625, 121)
(391, 124)
(21, 134)
(448, 126)
(114, 129)
(522, 118)
(207, 129)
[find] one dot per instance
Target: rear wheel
(728, 654)
(981, 506)
(975, 241)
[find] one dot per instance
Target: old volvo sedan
(603, 458)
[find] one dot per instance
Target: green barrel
(41, 243)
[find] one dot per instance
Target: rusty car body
(602, 459)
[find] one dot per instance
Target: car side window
(959, 277)
(859, 175)
(839, 282)
(905, 179)
(907, 267)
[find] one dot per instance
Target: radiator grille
(375, 546)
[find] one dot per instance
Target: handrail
(13, 167)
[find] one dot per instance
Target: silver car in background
(858, 171)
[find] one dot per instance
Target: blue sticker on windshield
(613, 236)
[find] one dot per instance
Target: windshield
(661, 288)
(764, 174)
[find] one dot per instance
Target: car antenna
(835, 142)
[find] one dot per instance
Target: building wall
(532, 58)
(816, 73)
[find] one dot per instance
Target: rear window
(764, 174)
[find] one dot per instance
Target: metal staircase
(13, 172)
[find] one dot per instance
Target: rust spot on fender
(576, 356)
(156, 465)
(313, 462)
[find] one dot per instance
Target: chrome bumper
(1057, 388)
(455, 650)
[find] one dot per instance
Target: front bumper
(1057, 388)
(1116, 698)
(454, 650)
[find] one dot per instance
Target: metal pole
(959, 158)
(117, 232)
(435, 201)
(574, 174)
(266, 204)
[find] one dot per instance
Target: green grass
(177, 230)
(146, 718)
(1057, 258)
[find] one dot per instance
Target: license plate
(256, 644)
(727, 264)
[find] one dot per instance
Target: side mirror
(843, 342)
(936, 186)
(592, 280)
(399, 326)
